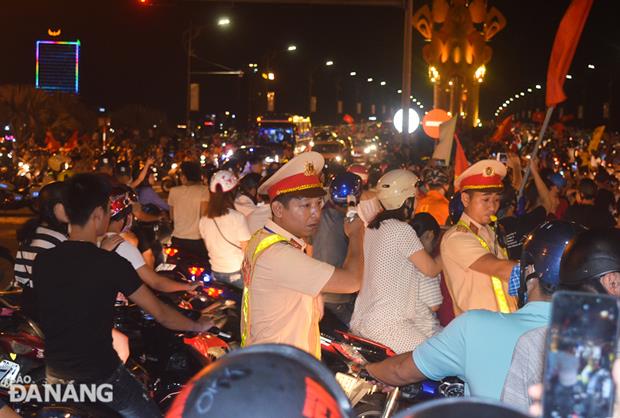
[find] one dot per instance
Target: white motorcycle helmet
(395, 187)
(225, 179)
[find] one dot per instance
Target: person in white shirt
(121, 216)
(256, 211)
(386, 307)
(224, 230)
(187, 204)
(247, 196)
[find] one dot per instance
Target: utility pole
(190, 35)
(407, 55)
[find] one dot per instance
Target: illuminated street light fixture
(329, 63)
(590, 66)
(352, 73)
(568, 76)
(512, 99)
(538, 87)
(223, 21)
(271, 76)
(516, 96)
(369, 79)
(522, 94)
(383, 83)
(529, 90)
(399, 91)
(292, 48)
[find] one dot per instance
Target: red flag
(564, 46)
(72, 142)
(502, 129)
(51, 144)
(538, 117)
(460, 159)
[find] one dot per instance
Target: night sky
(134, 54)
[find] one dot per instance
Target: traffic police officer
(282, 283)
(476, 266)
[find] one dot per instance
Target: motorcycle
(164, 360)
(12, 197)
(346, 354)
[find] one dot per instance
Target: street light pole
(407, 55)
(189, 79)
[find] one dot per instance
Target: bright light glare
(383, 83)
(538, 87)
(369, 79)
(292, 48)
(590, 66)
(352, 73)
(223, 21)
(329, 63)
(414, 120)
(568, 76)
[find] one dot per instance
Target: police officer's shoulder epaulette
(461, 228)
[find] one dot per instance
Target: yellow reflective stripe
(245, 307)
(266, 243)
(500, 296)
(245, 304)
(496, 282)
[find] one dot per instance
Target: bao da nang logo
(23, 390)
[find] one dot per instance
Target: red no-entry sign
(432, 120)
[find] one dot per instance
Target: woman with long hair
(224, 229)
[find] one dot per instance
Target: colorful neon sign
(58, 65)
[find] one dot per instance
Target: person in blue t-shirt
(478, 345)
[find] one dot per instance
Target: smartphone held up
(581, 346)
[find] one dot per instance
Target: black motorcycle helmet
(248, 185)
(589, 256)
(49, 196)
(542, 252)
(343, 185)
(461, 408)
(266, 380)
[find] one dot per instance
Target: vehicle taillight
(170, 252)
(195, 271)
(214, 292)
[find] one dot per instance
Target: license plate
(165, 267)
(8, 373)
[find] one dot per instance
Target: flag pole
(534, 153)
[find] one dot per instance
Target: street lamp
(223, 21)
(383, 83)
(329, 63)
(271, 76)
(352, 73)
(291, 48)
(369, 79)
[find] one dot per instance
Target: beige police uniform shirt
(459, 250)
(284, 304)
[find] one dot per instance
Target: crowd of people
(453, 271)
